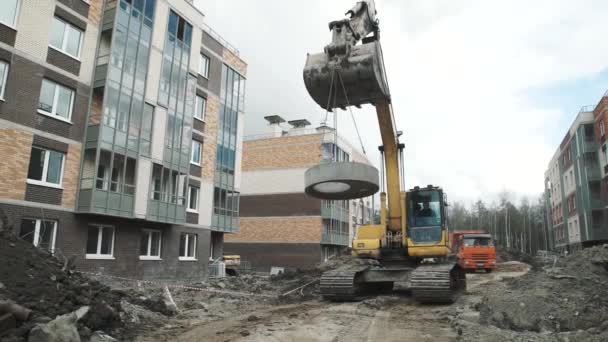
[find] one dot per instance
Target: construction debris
(38, 297)
(569, 297)
(61, 329)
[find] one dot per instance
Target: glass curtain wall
(115, 142)
(177, 93)
(225, 198)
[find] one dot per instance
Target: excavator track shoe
(437, 283)
(341, 285)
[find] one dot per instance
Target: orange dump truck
(475, 250)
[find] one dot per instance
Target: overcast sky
(484, 90)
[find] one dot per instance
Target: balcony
(593, 172)
(341, 239)
(334, 212)
(595, 202)
(590, 145)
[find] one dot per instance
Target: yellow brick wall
(292, 229)
(209, 145)
(283, 152)
(95, 9)
(234, 61)
(15, 149)
(70, 176)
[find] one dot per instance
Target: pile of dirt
(34, 279)
(504, 254)
(571, 296)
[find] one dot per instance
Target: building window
(195, 158)
(100, 242)
(602, 128)
(3, 77)
(56, 100)
(8, 12)
(150, 244)
(193, 198)
(187, 246)
(65, 38)
(204, 66)
(40, 233)
(46, 167)
(200, 108)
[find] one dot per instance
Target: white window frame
(45, 169)
(14, 24)
(66, 34)
(37, 232)
(160, 245)
(98, 254)
(185, 257)
(204, 72)
(602, 128)
(200, 153)
(4, 79)
(197, 115)
(198, 192)
(53, 113)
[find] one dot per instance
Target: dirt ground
(383, 318)
(561, 299)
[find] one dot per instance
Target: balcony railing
(335, 239)
(334, 212)
(220, 39)
(593, 172)
(596, 202)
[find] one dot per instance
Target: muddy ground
(565, 299)
(396, 317)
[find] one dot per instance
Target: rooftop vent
(301, 123)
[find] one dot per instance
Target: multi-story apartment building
(280, 225)
(119, 126)
(601, 122)
(573, 188)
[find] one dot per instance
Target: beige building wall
(15, 150)
(282, 153)
(278, 229)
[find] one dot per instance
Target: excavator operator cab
(426, 219)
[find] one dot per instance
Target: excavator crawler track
(437, 283)
(341, 284)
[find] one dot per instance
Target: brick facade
(234, 61)
(263, 256)
(278, 229)
(282, 153)
(21, 126)
(71, 171)
(210, 144)
(72, 235)
(15, 149)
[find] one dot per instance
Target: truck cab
(476, 252)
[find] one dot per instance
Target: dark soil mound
(569, 297)
(34, 279)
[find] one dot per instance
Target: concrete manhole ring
(341, 180)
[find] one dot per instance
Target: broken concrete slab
(61, 329)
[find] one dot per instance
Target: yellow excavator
(410, 245)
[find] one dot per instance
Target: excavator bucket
(357, 78)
